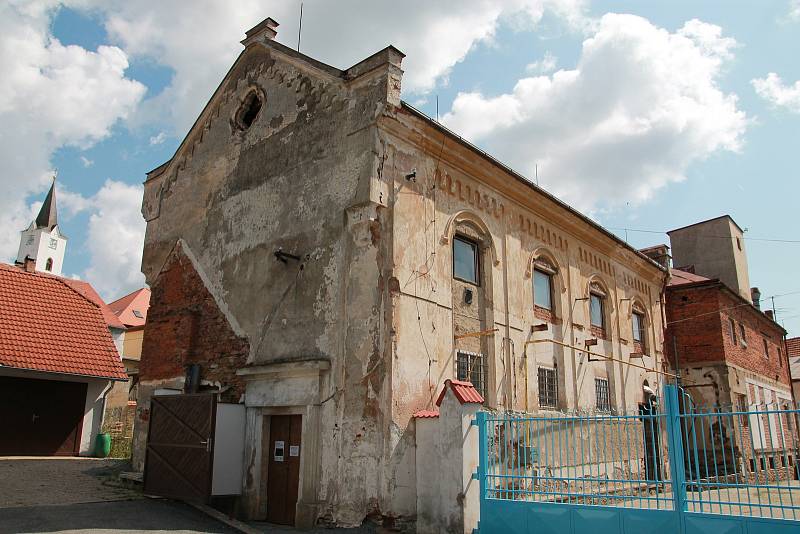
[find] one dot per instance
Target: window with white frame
(743, 335)
(597, 309)
(470, 367)
(548, 388)
(543, 286)
(601, 393)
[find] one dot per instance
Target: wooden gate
(180, 446)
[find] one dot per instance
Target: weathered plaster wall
(298, 180)
(457, 189)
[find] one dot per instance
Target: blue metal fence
(675, 467)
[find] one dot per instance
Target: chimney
(659, 254)
(770, 314)
(263, 31)
(755, 296)
(29, 265)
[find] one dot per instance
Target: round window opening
(248, 111)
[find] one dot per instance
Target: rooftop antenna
(437, 108)
(300, 27)
(536, 173)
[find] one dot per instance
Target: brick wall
(185, 326)
(699, 317)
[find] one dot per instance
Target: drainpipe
(104, 394)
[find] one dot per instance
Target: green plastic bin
(102, 445)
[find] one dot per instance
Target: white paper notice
(279, 448)
(294, 450)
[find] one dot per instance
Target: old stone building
(329, 256)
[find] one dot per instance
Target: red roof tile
(48, 325)
(678, 277)
(465, 392)
(426, 414)
(86, 289)
(132, 308)
(793, 346)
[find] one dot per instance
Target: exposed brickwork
(185, 326)
(699, 317)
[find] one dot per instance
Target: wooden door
(283, 471)
(41, 417)
(180, 450)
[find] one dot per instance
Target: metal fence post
(675, 448)
(480, 418)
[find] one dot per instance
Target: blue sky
(741, 157)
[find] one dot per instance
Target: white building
(42, 241)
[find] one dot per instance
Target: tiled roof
(465, 392)
(426, 414)
(678, 278)
(132, 308)
(47, 325)
(793, 346)
(86, 289)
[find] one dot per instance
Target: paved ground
(40, 495)
(43, 481)
(141, 515)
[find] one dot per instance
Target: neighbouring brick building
(320, 251)
(793, 351)
(727, 351)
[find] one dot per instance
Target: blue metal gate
(676, 468)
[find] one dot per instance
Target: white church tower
(43, 242)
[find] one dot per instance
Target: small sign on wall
(294, 450)
(279, 451)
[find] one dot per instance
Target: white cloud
(51, 96)
(86, 161)
(199, 41)
(794, 10)
(543, 66)
(158, 139)
(115, 239)
(773, 90)
(641, 105)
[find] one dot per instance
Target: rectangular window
(732, 324)
(470, 368)
(766, 349)
(638, 327)
(548, 388)
(743, 335)
(542, 289)
(597, 311)
(602, 398)
(465, 260)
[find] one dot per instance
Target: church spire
(48, 217)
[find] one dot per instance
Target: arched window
(597, 309)
(48, 265)
(249, 110)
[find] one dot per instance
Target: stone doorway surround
(283, 388)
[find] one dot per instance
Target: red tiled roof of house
(465, 392)
(793, 346)
(426, 414)
(86, 289)
(48, 325)
(132, 308)
(678, 277)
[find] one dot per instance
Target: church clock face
(53, 243)
(30, 240)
